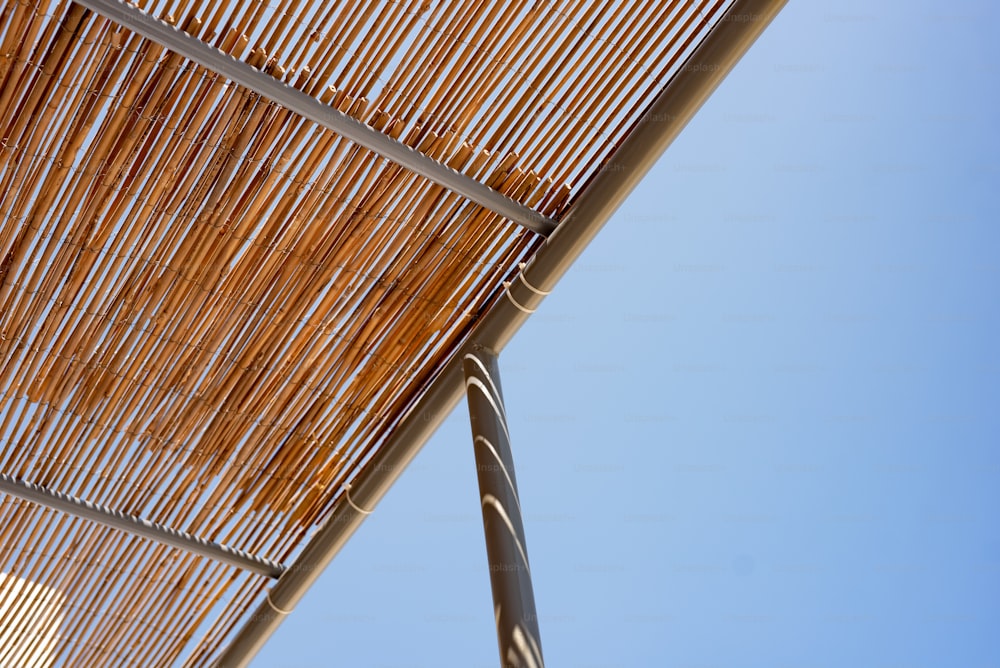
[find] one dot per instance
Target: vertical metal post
(510, 576)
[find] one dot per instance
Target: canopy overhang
(233, 287)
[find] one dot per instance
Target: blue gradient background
(757, 424)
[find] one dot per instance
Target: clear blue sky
(757, 424)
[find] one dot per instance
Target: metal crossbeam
(138, 526)
(305, 105)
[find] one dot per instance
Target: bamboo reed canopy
(212, 311)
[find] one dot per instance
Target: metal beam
(680, 99)
(305, 105)
(138, 526)
(506, 548)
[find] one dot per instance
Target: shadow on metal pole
(510, 575)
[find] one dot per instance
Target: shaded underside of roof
(212, 311)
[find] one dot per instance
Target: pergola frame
(680, 99)
(473, 366)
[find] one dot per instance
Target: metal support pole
(138, 526)
(506, 549)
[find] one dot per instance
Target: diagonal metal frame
(681, 98)
(206, 55)
(136, 525)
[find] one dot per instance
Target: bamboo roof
(212, 311)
